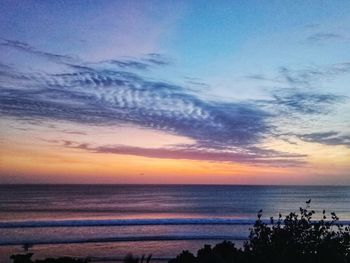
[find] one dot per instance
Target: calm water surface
(111, 220)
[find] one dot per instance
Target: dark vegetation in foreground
(296, 238)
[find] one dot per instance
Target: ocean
(105, 222)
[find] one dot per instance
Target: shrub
(130, 258)
(296, 238)
(184, 257)
(27, 258)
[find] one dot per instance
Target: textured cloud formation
(323, 37)
(21, 46)
(306, 102)
(103, 96)
(193, 152)
(328, 138)
(145, 63)
(110, 97)
(307, 76)
(91, 93)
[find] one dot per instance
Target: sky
(175, 92)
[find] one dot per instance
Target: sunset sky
(200, 92)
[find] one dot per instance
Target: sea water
(108, 221)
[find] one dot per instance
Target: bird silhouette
(309, 201)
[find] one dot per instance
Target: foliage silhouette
(130, 258)
(184, 257)
(27, 258)
(296, 238)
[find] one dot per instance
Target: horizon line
(169, 184)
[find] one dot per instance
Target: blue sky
(251, 83)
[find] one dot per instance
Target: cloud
(101, 96)
(301, 96)
(311, 75)
(157, 59)
(261, 77)
(127, 64)
(307, 77)
(191, 152)
(305, 102)
(109, 97)
(328, 138)
(24, 47)
(144, 63)
(95, 94)
(196, 84)
(324, 37)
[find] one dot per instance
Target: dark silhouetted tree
(296, 238)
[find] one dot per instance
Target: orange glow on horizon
(38, 160)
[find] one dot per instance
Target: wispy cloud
(24, 47)
(191, 152)
(262, 77)
(157, 59)
(306, 102)
(94, 94)
(107, 97)
(303, 77)
(328, 138)
(311, 75)
(196, 84)
(102, 96)
(322, 37)
(145, 63)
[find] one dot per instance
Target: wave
(122, 239)
(135, 222)
(126, 222)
